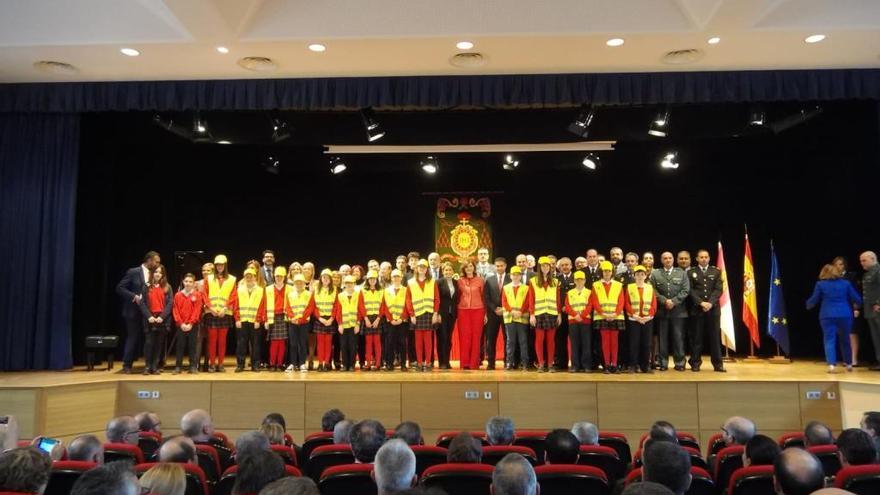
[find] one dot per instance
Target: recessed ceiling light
(464, 45)
(131, 52)
(814, 38)
(714, 40)
(317, 47)
(222, 49)
(614, 42)
(223, 141)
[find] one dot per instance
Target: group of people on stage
(619, 314)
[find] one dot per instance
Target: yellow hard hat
(299, 278)
(250, 271)
(396, 273)
(639, 268)
(280, 271)
(348, 279)
(423, 262)
(544, 260)
(606, 265)
(579, 275)
(372, 274)
(220, 259)
(516, 269)
(326, 271)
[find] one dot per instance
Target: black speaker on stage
(94, 343)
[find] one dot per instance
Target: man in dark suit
(268, 269)
(672, 288)
(871, 299)
(492, 299)
(132, 289)
(448, 288)
(566, 283)
(706, 289)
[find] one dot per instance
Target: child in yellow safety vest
(348, 312)
(515, 314)
(641, 305)
(373, 295)
(608, 304)
(249, 310)
(325, 325)
(544, 306)
(298, 307)
(579, 308)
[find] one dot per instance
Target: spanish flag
(750, 301)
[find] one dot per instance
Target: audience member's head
(291, 485)
(669, 464)
(817, 433)
(499, 431)
(395, 467)
(342, 432)
(250, 442)
(658, 436)
(275, 418)
(149, 421)
(761, 450)
(797, 472)
(737, 430)
(197, 424)
(123, 429)
(86, 448)
(330, 418)
(855, 448)
(8, 433)
(166, 478)
(514, 475)
(410, 432)
(832, 491)
(586, 433)
(561, 447)
(663, 430)
(179, 449)
(114, 478)
(24, 470)
(646, 488)
(274, 432)
(257, 470)
(465, 448)
(366, 438)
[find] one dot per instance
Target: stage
(778, 397)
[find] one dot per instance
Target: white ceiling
(177, 38)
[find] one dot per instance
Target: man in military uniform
(672, 288)
(706, 289)
(871, 297)
(566, 283)
(625, 277)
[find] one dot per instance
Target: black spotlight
(371, 125)
(591, 161)
(337, 165)
(280, 130)
(271, 165)
(660, 124)
(581, 125)
(757, 117)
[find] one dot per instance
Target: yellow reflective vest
(249, 303)
(324, 301)
(270, 302)
(298, 302)
(641, 305)
(608, 302)
(545, 298)
(422, 299)
(395, 302)
(372, 301)
(516, 301)
(219, 294)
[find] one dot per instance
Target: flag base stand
(779, 360)
(728, 359)
(753, 359)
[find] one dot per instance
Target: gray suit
(871, 296)
(674, 287)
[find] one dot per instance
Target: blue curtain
(39, 154)
(432, 92)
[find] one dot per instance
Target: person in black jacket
(858, 326)
(131, 290)
(492, 301)
(706, 289)
(448, 311)
(566, 282)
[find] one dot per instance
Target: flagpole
(779, 358)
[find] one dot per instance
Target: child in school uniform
(188, 306)
(276, 323)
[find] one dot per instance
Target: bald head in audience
(738, 430)
(178, 449)
(123, 429)
(86, 448)
(797, 472)
(197, 424)
(514, 475)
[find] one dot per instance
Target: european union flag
(777, 321)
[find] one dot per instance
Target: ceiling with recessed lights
(179, 39)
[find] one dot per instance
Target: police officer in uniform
(706, 289)
(672, 289)
(566, 282)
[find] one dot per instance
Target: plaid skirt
(545, 321)
(317, 327)
(371, 331)
(278, 330)
(617, 325)
(225, 321)
(423, 322)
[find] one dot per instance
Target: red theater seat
(227, 481)
(716, 443)
(861, 480)
(792, 439)
(445, 438)
(348, 479)
(196, 483)
(149, 443)
(571, 479)
(314, 441)
(701, 481)
(286, 453)
(752, 480)
(209, 461)
(827, 454)
(64, 475)
(328, 455)
(427, 456)
(533, 439)
(288, 440)
(221, 437)
(618, 442)
(604, 458)
(728, 460)
(684, 439)
(123, 452)
(459, 479)
(494, 453)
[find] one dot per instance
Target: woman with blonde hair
(836, 298)
(165, 478)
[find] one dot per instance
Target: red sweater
(261, 311)
(279, 299)
(337, 308)
(188, 309)
(156, 299)
(632, 311)
(409, 305)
